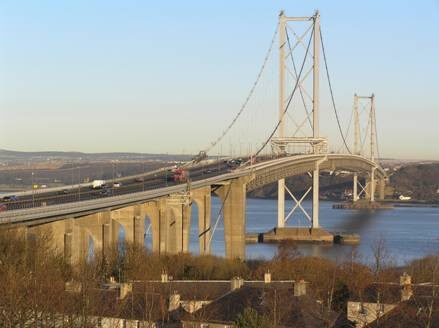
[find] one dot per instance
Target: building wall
(193, 324)
(364, 313)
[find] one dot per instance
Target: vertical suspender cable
(289, 100)
(332, 95)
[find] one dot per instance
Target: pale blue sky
(167, 76)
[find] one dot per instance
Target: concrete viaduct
(169, 209)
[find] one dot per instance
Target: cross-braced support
(313, 218)
(298, 204)
(363, 190)
(299, 136)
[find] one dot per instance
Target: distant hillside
(8, 155)
(420, 181)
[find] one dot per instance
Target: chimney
(236, 283)
(405, 281)
(164, 276)
(300, 288)
(124, 289)
(267, 277)
(174, 301)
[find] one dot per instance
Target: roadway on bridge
(150, 182)
(50, 205)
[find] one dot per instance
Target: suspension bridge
(293, 145)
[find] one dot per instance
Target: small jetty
(362, 205)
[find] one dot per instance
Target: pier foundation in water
(302, 234)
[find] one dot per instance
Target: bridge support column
(355, 188)
(163, 230)
(133, 223)
(66, 238)
(76, 244)
(281, 203)
(233, 197)
(372, 185)
(178, 219)
(315, 198)
(106, 239)
(103, 230)
(152, 211)
(382, 187)
(139, 231)
(202, 198)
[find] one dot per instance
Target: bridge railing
(49, 213)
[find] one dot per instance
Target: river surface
(409, 232)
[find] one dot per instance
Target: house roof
(290, 311)
(202, 289)
(411, 314)
(188, 290)
(390, 293)
(106, 303)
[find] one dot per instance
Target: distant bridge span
(274, 170)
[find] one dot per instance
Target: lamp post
(33, 190)
(79, 182)
(112, 188)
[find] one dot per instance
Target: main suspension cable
(348, 129)
(332, 95)
(250, 94)
(289, 100)
(376, 136)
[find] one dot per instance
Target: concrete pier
(299, 234)
(233, 196)
(362, 205)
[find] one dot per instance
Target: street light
(33, 190)
(112, 188)
(79, 182)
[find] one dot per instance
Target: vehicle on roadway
(105, 192)
(3, 208)
(178, 175)
(234, 162)
(139, 179)
(63, 192)
(98, 184)
(116, 185)
(10, 198)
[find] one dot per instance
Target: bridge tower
(367, 104)
(300, 136)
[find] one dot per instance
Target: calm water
(409, 232)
